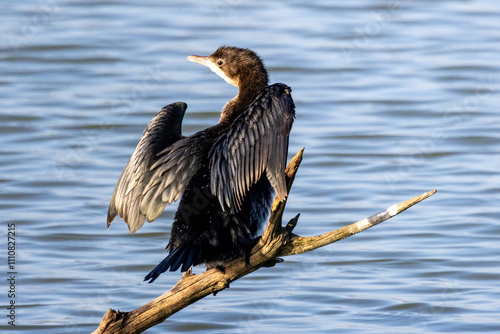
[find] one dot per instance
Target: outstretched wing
(132, 188)
(172, 172)
(256, 143)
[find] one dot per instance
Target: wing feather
(157, 170)
(257, 142)
(172, 173)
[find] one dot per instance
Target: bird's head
(235, 65)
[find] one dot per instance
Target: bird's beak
(212, 66)
(201, 60)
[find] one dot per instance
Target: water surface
(394, 98)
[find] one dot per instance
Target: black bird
(227, 174)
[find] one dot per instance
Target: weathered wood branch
(275, 241)
(299, 245)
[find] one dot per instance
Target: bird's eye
(219, 62)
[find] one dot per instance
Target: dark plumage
(227, 174)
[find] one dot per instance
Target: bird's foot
(248, 250)
(290, 226)
(220, 268)
(188, 273)
(272, 262)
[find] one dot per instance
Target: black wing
(256, 143)
(171, 173)
(127, 201)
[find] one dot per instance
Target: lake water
(394, 98)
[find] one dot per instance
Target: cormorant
(226, 174)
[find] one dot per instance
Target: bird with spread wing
(225, 176)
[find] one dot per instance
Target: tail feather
(185, 256)
(180, 258)
(193, 257)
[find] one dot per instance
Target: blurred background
(394, 98)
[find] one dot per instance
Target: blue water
(394, 98)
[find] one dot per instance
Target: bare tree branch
(275, 241)
(299, 245)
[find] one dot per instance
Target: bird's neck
(248, 90)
